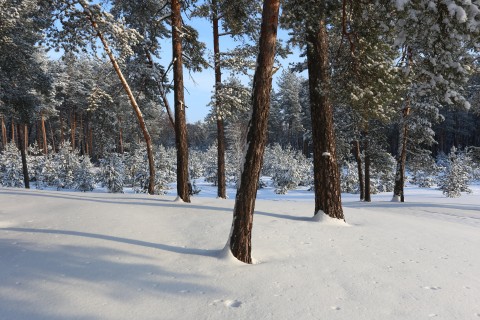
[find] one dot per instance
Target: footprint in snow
(431, 288)
(335, 307)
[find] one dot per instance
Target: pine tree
(113, 173)
(11, 167)
(84, 176)
(457, 174)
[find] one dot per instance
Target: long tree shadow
(164, 247)
(156, 202)
(36, 277)
(283, 216)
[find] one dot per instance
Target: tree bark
(133, 102)
(241, 233)
(44, 134)
(180, 118)
(358, 158)
(326, 173)
(398, 190)
(368, 197)
(4, 133)
(13, 132)
(21, 143)
(25, 138)
(222, 188)
(120, 135)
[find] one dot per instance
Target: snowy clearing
(71, 255)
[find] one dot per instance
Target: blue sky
(199, 86)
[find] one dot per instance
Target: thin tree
(241, 233)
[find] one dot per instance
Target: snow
(96, 255)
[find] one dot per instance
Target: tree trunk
(61, 130)
(13, 132)
(133, 102)
(4, 133)
(80, 136)
(44, 134)
(398, 192)
(52, 136)
(90, 140)
(21, 143)
(25, 138)
(180, 119)
(120, 135)
(241, 233)
(368, 197)
(222, 188)
(73, 128)
(361, 181)
(326, 173)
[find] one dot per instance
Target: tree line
(398, 75)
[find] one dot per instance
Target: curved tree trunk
(183, 189)
(326, 173)
(133, 102)
(221, 184)
(241, 233)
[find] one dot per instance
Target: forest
(384, 92)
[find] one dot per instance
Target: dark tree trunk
(21, 143)
(180, 119)
(398, 190)
(133, 101)
(44, 134)
(241, 233)
(4, 133)
(326, 173)
(358, 158)
(368, 197)
(120, 135)
(221, 184)
(13, 132)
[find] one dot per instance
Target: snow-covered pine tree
(66, 162)
(166, 169)
(457, 174)
(84, 175)
(113, 173)
(423, 169)
(11, 172)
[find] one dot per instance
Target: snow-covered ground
(72, 255)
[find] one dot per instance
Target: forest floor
(72, 255)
